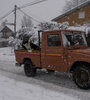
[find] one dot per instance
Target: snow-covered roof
(72, 10)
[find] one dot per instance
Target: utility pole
(15, 8)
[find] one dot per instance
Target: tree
(24, 34)
(72, 3)
(14, 43)
(26, 22)
(26, 31)
(53, 25)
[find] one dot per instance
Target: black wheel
(50, 71)
(29, 70)
(81, 76)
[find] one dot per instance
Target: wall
(74, 19)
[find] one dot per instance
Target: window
(54, 40)
(73, 39)
(81, 15)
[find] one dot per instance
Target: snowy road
(14, 85)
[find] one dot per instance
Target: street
(61, 84)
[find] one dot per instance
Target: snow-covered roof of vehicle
(72, 10)
(72, 30)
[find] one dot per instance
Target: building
(5, 32)
(79, 15)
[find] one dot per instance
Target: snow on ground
(14, 85)
(12, 90)
(6, 54)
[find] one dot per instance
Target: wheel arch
(77, 63)
(27, 59)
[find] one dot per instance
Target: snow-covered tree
(15, 43)
(27, 30)
(53, 25)
(25, 33)
(26, 22)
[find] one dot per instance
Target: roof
(5, 29)
(72, 10)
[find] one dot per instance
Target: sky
(44, 11)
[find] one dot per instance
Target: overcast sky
(42, 12)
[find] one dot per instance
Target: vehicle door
(54, 51)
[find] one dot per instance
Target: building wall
(73, 18)
(7, 34)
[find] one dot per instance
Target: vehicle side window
(54, 40)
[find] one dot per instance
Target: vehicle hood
(83, 51)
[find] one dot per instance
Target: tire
(81, 76)
(29, 69)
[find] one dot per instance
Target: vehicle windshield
(73, 38)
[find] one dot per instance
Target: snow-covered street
(14, 85)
